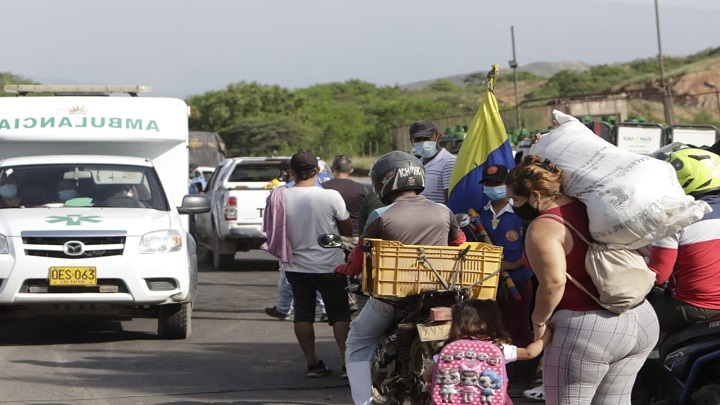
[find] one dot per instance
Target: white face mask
(8, 190)
(426, 149)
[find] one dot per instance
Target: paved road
(236, 354)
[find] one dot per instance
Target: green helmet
(697, 170)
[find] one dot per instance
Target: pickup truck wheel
(222, 262)
(174, 321)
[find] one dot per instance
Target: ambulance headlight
(4, 249)
(161, 242)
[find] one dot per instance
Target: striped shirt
(690, 259)
(437, 176)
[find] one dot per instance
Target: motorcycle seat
(700, 331)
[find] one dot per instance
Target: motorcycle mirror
(329, 240)
(463, 220)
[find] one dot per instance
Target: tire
(382, 395)
(175, 321)
(222, 262)
(203, 254)
(419, 351)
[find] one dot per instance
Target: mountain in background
(544, 69)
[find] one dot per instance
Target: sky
(183, 48)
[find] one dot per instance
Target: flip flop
(537, 393)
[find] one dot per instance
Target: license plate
(434, 332)
(73, 275)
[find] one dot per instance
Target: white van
(97, 222)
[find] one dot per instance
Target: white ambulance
(93, 206)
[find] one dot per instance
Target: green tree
(218, 110)
(268, 134)
(598, 79)
(9, 78)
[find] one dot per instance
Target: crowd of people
(591, 355)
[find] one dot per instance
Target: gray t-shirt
(413, 220)
(310, 212)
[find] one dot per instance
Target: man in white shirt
(309, 212)
(438, 162)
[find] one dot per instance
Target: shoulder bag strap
(571, 278)
(567, 224)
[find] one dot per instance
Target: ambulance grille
(92, 246)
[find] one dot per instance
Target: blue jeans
(285, 296)
(365, 333)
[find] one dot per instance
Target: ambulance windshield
(81, 185)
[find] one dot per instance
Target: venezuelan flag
(485, 144)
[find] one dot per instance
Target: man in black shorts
(309, 212)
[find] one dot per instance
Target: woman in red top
(595, 354)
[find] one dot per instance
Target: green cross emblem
(74, 219)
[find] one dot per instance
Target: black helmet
(395, 171)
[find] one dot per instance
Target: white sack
(632, 199)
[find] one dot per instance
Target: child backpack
(470, 372)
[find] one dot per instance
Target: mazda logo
(73, 248)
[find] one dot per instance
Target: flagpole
(667, 91)
(514, 65)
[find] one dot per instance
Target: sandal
(318, 370)
(537, 393)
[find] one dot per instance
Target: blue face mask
(495, 193)
(426, 149)
(65, 195)
(8, 190)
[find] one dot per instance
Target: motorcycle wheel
(381, 371)
(382, 396)
(419, 351)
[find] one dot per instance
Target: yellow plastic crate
(398, 270)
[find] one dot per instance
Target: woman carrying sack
(595, 354)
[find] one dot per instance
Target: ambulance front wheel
(174, 321)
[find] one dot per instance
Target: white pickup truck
(238, 191)
(119, 246)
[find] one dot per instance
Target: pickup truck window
(260, 172)
(83, 185)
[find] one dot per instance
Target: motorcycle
(686, 370)
(421, 327)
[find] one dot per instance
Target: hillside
(543, 69)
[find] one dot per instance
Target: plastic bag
(632, 199)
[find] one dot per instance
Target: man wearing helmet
(398, 178)
(436, 160)
(689, 259)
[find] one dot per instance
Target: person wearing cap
(438, 162)
(310, 211)
(505, 229)
(283, 307)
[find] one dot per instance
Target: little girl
(477, 319)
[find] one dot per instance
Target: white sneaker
(537, 393)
